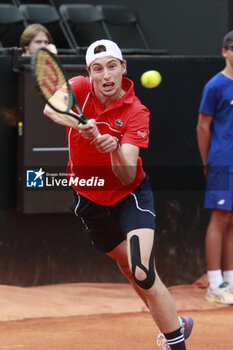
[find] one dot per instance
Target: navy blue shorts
(219, 191)
(108, 226)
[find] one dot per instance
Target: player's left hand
(105, 143)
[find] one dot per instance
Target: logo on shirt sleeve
(142, 133)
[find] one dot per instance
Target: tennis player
(118, 208)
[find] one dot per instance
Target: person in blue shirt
(215, 142)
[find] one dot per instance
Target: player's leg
(140, 249)
(158, 298)
(227, 253)
(184, 324)
(119, 254)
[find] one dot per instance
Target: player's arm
(60, 98)
(203, 137)
(123, 158)
(124, 163)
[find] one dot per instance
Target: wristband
(118, 143)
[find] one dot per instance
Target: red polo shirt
(128, 120)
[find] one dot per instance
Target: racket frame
(72, 99)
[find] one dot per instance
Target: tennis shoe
(186, 329)
(223, 294)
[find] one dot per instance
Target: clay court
(103, 316)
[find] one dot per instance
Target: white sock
(228, 277)
(215, 278)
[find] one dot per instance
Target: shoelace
(161, 341)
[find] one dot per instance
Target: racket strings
(50, 77)
(53, 84)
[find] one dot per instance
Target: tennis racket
(53, 85)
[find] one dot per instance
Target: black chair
(123, 26)
(84, 23)
(11, 25)
(48, 15)
(15, 2)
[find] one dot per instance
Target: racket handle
(80, 117)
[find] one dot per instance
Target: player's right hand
(89, 131)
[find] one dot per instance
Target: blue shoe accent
(223, 285)
(187, 324)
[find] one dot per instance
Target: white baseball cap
(110, 49)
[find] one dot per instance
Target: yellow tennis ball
(151, 79)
